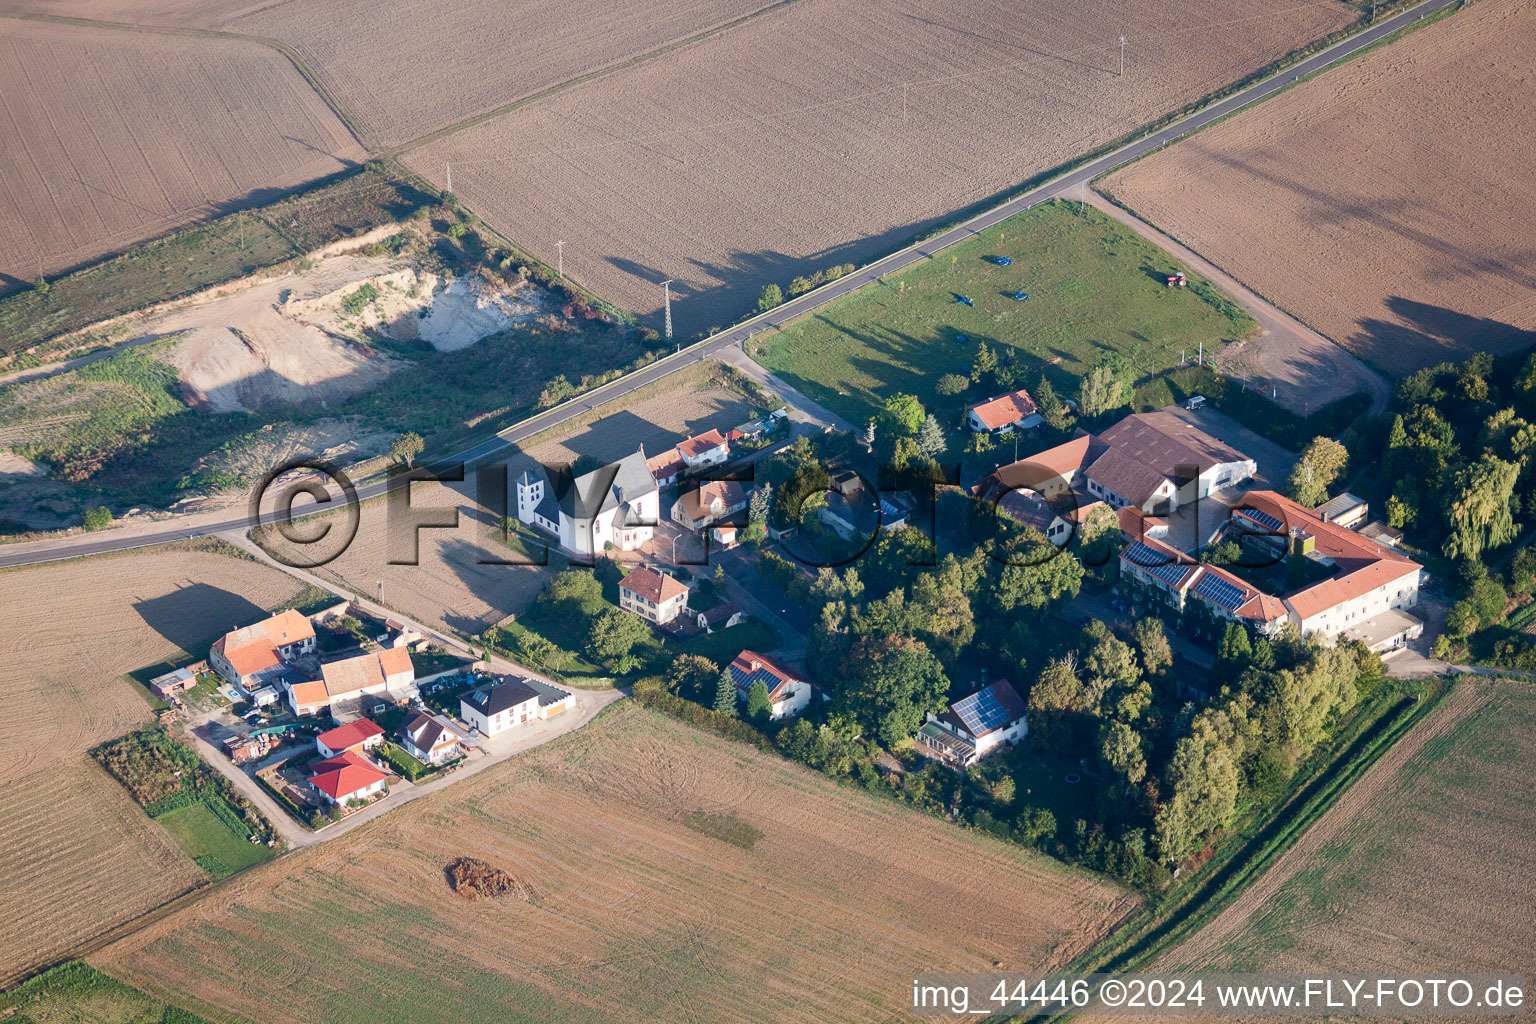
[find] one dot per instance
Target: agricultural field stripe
(737, 336)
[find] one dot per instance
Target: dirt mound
(474, 879)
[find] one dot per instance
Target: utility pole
(666, 290)
(1202, 353)
(448, 171)
(560, 259)
(1122, 56)
(381, 591)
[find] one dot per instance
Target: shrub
(98, 518)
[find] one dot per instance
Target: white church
(618, 504)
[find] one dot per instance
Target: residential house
(652, 595)
(708, 503)
(428, 740)
(707, 449)
(615, 505)
(721, 616)
(362, 735)
(346, 777)
(975, 726)
(666, 467)
(500, 706)
(1003, 414)
(788, 693)
(1058, 518)
(343, 685)
(249, 656)
(724, 535)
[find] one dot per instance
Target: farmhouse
(251, 655)
(1151, 461)
(427, 739)
(1003, 414)
(362, 734)
(346, 777)
(788, 694)
(974, 726)
(709, 503)
(652, 595)
(616, 505)
(343, 685)
(1358, 587)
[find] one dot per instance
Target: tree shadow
(1433, 334)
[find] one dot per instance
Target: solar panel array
(1156, 563)
(1263, 519)
(981, 712)
(1219, 591)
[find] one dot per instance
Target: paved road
(715, 345)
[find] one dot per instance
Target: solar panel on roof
(1138, 553)
(1263, 519)
(1173, 574)
(1219, 591)
(981, 712)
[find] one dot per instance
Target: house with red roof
(652, 595)
(361, 734)
(1003, 414)
(250, 656)
(706, 449)
(346, 777)
(345, 684)
(788, 692)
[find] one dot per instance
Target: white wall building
(618, 504)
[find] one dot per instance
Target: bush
(650, 692)
(98, 518)
(771, 296)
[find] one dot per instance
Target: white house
(618, 504)
(500, 706)
(427, 739)
(1003, 414)
(721, 616)
(707, 449)
(251, 655)
(788, 694)
(975, 726)
(346, 777)
(652, 595)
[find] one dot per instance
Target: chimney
(755, 665)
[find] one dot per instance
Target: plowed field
(673, 874)
(113, 137)
(1386, 203)
(831, 130)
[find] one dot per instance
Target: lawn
(207, 840)
(1094, 287)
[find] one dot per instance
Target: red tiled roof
(998, 412)
(750, 666)
(668, 463)
(345, 737)
(341, 776)
(652, 585)
(395, 660)
(312, 692)
(1044, 471)
(696, 446)
(253, 648)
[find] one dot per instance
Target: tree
(40, 285)
(1058, 704)
(1321, 463)
(1100, 391)
(1121, 748)
(759, 707)
(890, 683)
(951, 384)
(930, 441)
(1052, 409)
(1153, 646)
(98, 518)
(577, 585)
(772, 295)
(692, 676)
(903, 414)
(761, 503)
(1480, 513)
(406, 447)
(986, 362)
(979, 443)
(1235, 648)
(725, 692)
(614, 634)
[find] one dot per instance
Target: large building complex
(617, 504)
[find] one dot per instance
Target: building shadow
(193, 616)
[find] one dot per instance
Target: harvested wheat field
(667, 871)
(156, 133)
(87, 622)
(1385, 203)
(402, 69)
(782, 146)
(78, 857)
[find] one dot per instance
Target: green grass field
(76, 993)
(1094, 287)
(210, 842)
